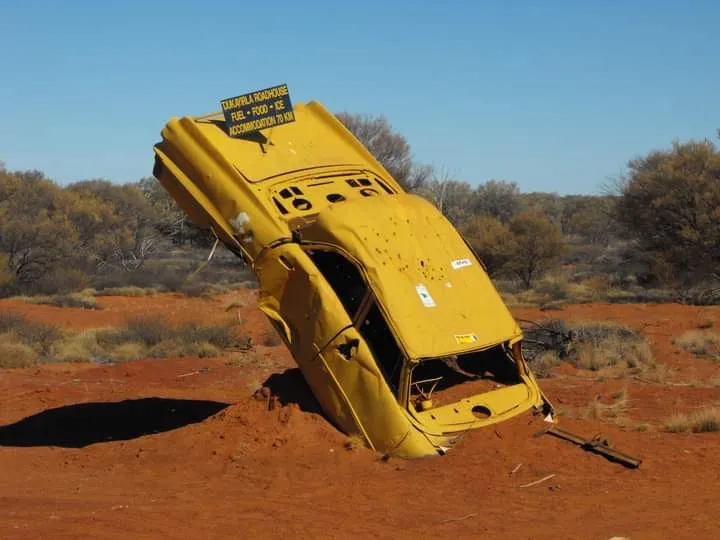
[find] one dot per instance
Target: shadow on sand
(290, 387)
(76, 426)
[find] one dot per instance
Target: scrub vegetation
(705, 420)
(700, 342)
(595, 346)
(25, 343)
(629, 244)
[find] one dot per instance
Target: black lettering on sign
(258, 110)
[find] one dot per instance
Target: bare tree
(390, 148)
(452, 197)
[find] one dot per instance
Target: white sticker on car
(425, 296)
(460, 263)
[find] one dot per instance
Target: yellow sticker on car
(465, 339)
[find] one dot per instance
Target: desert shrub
(80, 347)
(61, 281)
(700, 343)
(203, 289)
(108, 338)
(196, 289)
(593, 345)
(70, 300)
(178, 347)
(597, 287)
(219, 335)
(554, 290)
(130, 350)
(544, 362)
(47, 343)
(125, 291)
(16, 355)
(25, 343)
(7, 276)
(599, 411)
(148, 330)
(40, 337)
(703, 421)
(150, 276)
(167, 348)
(185, 275)
(596, 345)
(159, 339)
(205, 350)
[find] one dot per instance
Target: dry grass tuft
(598, 345)
(598, 411)
(26, 343)
(73, 300)
(355, 442)
(128, 351)
(73, 349)
(160, 340)
(131, 291)
(592, 346)
(700, 343)
(83, 300)
(242, 359)
(178, 347)
(703, 421)
(706, 324)
(16, 355)
(40, 337)
(543, 363)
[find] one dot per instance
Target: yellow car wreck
(394, 322)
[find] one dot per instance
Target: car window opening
(441, 381)
(350, 288)
(382, 343)
(343, 276)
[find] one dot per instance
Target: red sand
(254, 470)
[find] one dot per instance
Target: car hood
(432, 289)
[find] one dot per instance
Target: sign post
(257, 110)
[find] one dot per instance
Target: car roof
(431, 287)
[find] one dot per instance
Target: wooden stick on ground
(459, 519)
(536, 482)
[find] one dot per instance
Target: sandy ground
(180, 448)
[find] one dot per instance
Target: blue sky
(555, 95)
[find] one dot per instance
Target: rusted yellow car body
(391, 317)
